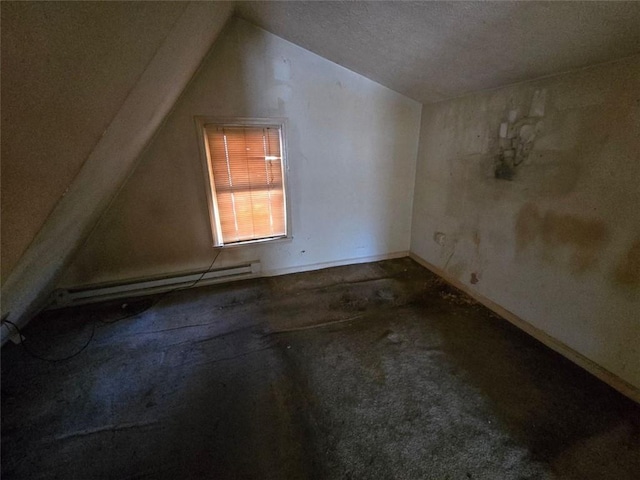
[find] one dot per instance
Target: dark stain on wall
(554, 174)
(474, 278)
(585, 238)
(476, 239)
(457, 269)
(528, 225)
(627, 273)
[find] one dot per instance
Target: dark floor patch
(368, 371)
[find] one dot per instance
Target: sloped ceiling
(78, 67)
(67, 67)
(432, 51)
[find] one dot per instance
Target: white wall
(352, 152)
(559, 245)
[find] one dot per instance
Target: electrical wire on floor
(93, 330)
(52, 360)
(163, 295)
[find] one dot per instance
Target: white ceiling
(431, 51)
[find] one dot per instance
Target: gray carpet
(367, 371)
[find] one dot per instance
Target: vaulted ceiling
(431, 51)
(67, 67)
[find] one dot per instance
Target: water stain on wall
(457, 269)
(440, 238)
(528, 225)
(582, 238)
(550, 174)
(476, 239)
(627, 273)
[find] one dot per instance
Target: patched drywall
(557, 242)
(352, 146)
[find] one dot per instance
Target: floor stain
(418, 381)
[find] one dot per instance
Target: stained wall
(556, 239)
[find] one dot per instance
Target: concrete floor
(367, 371)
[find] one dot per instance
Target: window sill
(261, 241)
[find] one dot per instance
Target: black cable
(52, 360)
(165, 294)
(93, 331)
(199, 279)
(129, 315)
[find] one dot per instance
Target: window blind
(246, 165)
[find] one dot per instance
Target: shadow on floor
(366, 371)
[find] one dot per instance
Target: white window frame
(212, 203)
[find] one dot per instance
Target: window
(247, 176)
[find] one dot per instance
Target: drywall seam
(110, 162)
(589, 365)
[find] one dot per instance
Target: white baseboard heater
(98, 293)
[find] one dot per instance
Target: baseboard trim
(338, 263)
(80, 295)
(590, 366)
(66, 297)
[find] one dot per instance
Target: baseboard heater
(99, 293)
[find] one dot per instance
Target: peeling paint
(558, 241)
(516, 138)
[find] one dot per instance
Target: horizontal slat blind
(246, 163)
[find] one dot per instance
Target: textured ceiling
(431, 51)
